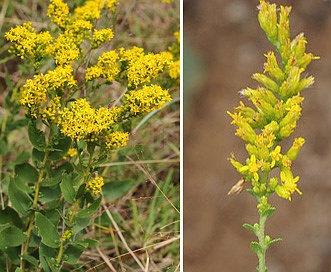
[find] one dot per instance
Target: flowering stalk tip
(273, 117)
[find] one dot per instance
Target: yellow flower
(252, 167)
(107, 67)
(147, 99)
(101, 36)
(94, 186)
(90, 11)
(142, 68)
(34, 95)
(58, 12)
(110, 4)
(72, 152)
(64, 50)
(27, 43)
(67, 235)
(77, 30)
(174, 69)
(50, 113)
(288, 184)
(116, 139)
(81, 121)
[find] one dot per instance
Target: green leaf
(50, 194)
(249, 227)
(37, 157)
(91, 209)
(256, 248)
(9, 215)
(47, 256)
(268, 212)
(49, 182)
(47, 231)
(26, 173)
(274, 241)
(90, 242)
(31, 260)
(11, 237)
(80, 223)
(68, 189)
(36, 136)
(3, 147)
(60, 149)
(254, 194)
(18, 270)
(116, 189)
(21, 201)
(73, 252)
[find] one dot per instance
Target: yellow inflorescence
(27, 42)
(45, 95)
(94, 186)
(107, 67)
(58, 12)
(81, 121)
(174, 69)
(116, 139)
(101, 36)
(146, 67)
(147, 99)
(67, 235)
(277, 109)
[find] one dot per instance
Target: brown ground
(227, 36)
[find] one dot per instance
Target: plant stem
(262, 242)
(30, 220)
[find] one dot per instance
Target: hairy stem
(261, 237)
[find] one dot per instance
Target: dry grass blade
(122, 237)
(3, 13)
(150, 178)
(106, 259)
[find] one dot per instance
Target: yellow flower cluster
(64, 50)
(67, 235)
(81, 121)
(71, 152)
(277, 108)
(174, 49)
(50, 113)
(116, 139)
(44, 95)
(147, 99)
(101, 36)
(94, 186)
(174, 69)
(137, 67)
(36, 92)
(107, 67)
(58, 12)
(78, 30)
(28, 44)
(142, 69)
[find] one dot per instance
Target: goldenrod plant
(52, 195)
(273, 117)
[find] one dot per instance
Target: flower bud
(266, 81)
(284, 25)
(293, 152)
(268, 20)
(272, 67)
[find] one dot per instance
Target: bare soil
(226, 35)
